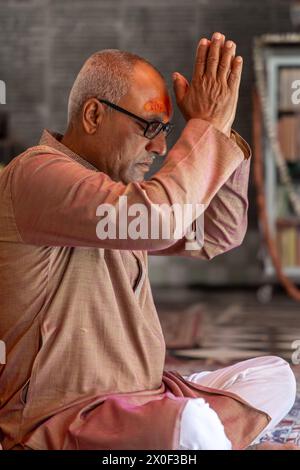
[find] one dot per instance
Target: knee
(271, 361)
(289, 380)
(282, 374)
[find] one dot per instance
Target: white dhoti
(267, 383)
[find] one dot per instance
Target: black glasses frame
(157, 126)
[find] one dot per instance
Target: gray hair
(106, 74)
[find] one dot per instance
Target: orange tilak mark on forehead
(168, 104)
(155, 106)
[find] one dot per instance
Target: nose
(158, 145)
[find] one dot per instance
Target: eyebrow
(157, 117)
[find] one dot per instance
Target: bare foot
(275, 446)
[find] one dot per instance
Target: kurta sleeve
(59, 202)
(225, 219)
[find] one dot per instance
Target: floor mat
(288, 430)
(203, 337)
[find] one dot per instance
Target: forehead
(149, 95)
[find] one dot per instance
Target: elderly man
(85, 350)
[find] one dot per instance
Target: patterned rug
(288, 430)
(197, 340)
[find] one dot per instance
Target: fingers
(214, 54)
(222, 39)
(217, 57)
(225, 63)
(232, 59)
(180, 85)
(234, 78)
(201, 57)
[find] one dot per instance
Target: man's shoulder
(41, 150)
(35, 151)
(45, 156)
(36, 156)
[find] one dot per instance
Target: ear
(92, 114)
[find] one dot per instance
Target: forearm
(225, 219)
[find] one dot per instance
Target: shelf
(288, 221)
(290, 271)
(284, 224)
(290, 111)
(294, 167)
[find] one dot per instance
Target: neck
(73, 140)
(73, 144)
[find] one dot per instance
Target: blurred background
(232, 306)
(43, 44)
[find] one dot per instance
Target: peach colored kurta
(85, 350)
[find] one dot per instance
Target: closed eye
(140, 126)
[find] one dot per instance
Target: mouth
(144, 166)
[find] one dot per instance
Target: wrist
(227, 132)
(224, 130)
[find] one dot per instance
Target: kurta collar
(53, 139)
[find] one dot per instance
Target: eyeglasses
(152, 129)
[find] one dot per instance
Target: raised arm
(225, 219)
(57, 201)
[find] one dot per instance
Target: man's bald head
(106, 74)
(112, 141)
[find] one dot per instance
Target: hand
(212, 94)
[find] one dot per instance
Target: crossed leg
(267, 383)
